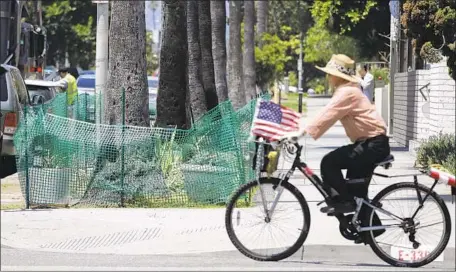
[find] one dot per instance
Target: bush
(382, 73)
(318, 84)
(438, 149)
(293, 77)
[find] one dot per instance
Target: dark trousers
(359, 159)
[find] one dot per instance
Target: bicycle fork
(270, 212)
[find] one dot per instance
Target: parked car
(153, 89)
(86, 84)
(14, 97)
(41, 91)
(87, 72)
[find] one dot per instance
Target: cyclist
(363, 125)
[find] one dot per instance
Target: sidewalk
(174, 231)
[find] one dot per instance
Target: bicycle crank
(346, 228)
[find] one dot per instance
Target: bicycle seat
(386, 163)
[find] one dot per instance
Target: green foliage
(438, 149)
(151, 57)
(321, 43)
(450, 164)
(427, 22)
(293, 79)
(71, 28)
(382, 73)
(274, 55)
(344, 14)
(318, 85)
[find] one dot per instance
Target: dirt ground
(11, 196)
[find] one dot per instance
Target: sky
(154, 18)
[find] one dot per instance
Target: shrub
(382, 73)
(438, 149)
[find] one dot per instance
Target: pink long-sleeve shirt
(354, 110)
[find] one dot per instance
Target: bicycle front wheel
(423, 233)
(264, 238)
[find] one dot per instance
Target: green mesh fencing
(73, 161)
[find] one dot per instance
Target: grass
(11, 192)
(291, 100)
(180, 201)
(12, 206)
(11, 188)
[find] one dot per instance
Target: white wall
(416, 117)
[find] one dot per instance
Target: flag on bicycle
(271, 120)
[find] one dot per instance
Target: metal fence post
(122, 192)
(27, 177)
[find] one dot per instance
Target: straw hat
(341, 66)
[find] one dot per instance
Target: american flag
(271, 121)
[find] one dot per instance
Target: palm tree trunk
(249, 50)
(218, 19)
(235, 88)
(172, 87)
(195, 84)
(262, 18)
(127, 65)
(204, 15)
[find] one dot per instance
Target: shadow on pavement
(339, 263)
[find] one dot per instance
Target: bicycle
(357, 226)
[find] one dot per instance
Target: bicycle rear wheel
(279, 240)
(430, 232)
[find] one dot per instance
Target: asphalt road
(323, 257)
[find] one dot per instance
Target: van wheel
(8, 164)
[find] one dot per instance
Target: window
(86, 83)
(19, 86)
(46, 92)
(3, 88)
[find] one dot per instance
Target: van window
(3, 88)
(19, 85)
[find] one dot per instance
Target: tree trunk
(235, 88)
(172, 87)
(127, 65)
(262, 18)
(249, 50)
(218, 19)
(204, 15)
(195, 84)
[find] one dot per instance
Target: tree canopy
(71, 28)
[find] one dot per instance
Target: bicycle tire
(276, 257)
(446, 237)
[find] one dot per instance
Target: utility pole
(395, 36)
(101, 59)
(300, 91)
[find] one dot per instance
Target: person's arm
(64, 84)
(339, 106)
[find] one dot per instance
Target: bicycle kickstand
(302, 253)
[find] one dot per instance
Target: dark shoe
(340, 207)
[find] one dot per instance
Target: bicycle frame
(317, 182)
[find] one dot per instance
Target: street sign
(100, 1)
(300, 64)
